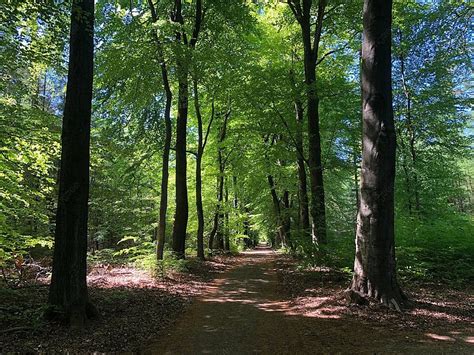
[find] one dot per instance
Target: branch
(197, 23)
(187, 151)
(209, 125)
(319, 28)
(289, 133)
(336, 50)
(296, 10)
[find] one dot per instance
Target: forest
(201, 176)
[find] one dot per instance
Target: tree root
(358, 298)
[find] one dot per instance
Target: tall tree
(201, 145)
(302, 178)
(161, 232)
(182, 69)
(374, 267)
(302, 10)
(68, 295)
(217, 228)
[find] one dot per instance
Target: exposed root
(395, 304)
(361, 299)
(354, 297)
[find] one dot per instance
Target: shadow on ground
(244, 311)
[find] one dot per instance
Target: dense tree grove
(327, 128)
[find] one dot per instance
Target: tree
(217, 229)
(201, 145)
(161, 232)
(182, 68)
(302, 12)
(302, 178)
(68, 296)
(374, 266)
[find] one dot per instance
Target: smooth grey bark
(374, 267)
(68, 296)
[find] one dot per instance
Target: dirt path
(242, 312)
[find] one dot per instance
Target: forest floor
(263, 305)
(257, 302)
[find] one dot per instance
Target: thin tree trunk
(200, 151)
(374, 267)
(286, 219)
(181, 213)
(68, 296)
(279, 232)
(311, 48)
(226, 217)
(217, 227)
(410, 128)
(302, 178)
(199, 208)
(161, 232)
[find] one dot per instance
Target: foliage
(248, 62)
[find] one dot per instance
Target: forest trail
(243, 312)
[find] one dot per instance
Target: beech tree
(302, 10)
(182, 67)
(374, 266)
(68, 297)
(161, 231)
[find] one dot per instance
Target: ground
(257, 302)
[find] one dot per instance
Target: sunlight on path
(241, 312)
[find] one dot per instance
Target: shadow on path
(241, 312)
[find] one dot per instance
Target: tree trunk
(182, 68)
(200, 152)
(311, 48)
(374, 267)
(161, 232)
(302, 178)
(279, 232)
(410, 129)
(161, 235)
(68, 297)
(286, 217)
(181, 214)
(218, 217)
(226, 218)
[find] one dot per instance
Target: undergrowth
(440, 251)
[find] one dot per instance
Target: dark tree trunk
(161, 232)
(303, 15)
(302, 186)
(200, 151)
(165, 168)
(217, 230)
(181, 213)
(226, 218)
(281, 230)
(302, 178)
(374, 267)
(286, 219)
(68, 297)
